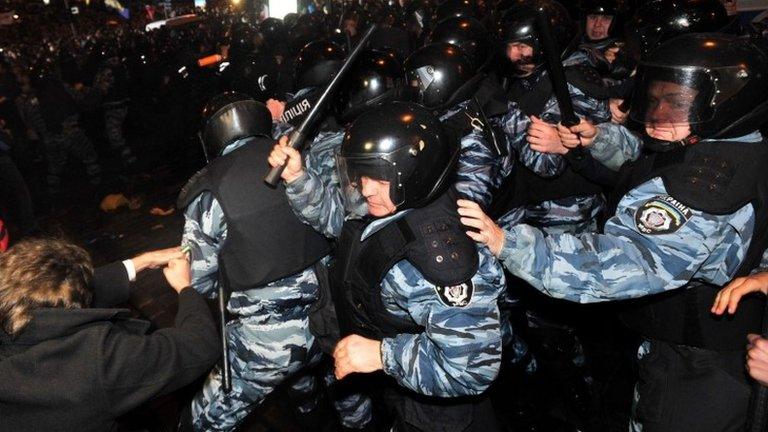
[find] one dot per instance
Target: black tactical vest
(530, 188)
(431, 238)
(265, 241)
(716, 178)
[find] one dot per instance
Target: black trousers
(418, 413)
(682, 388)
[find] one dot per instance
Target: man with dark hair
(67, 366)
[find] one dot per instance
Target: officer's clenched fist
(282, 154)
(356, 354)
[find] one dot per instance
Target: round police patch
(456, 295)
(661, 214)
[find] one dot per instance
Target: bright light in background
(235, 2)
(47, 2)
(281, 8)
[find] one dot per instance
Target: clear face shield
(381, 166)
(684, 96)
(418, 82)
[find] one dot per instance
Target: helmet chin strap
(661, 146)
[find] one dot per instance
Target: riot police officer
(414, 298)
(686, 218)
(547, 192)
(244, 235)
(442, 78)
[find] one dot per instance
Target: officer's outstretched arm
(653, 244)
(459, 352)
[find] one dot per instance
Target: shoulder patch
(661, 214)
(456, 295)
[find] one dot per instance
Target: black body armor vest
(265, 241)
(431, 238)
(716, 178)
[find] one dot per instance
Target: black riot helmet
(375, 78)
(657, 21)
(308, 28)
(404, 144)
(519, 25)
(242, 39)
(601, 7)
(467, 33)
(273, 30)
(229, 117)
(454, 9)
(440, 75)
(716, 83)
(317, 64)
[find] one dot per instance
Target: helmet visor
(381, 167)
(684, 95)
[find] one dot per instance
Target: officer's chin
(379, 211)
(523, 70)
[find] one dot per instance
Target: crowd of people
(486, 215)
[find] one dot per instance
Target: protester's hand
(730, 296)
(178, 274)
(543, 137)
(617, 115)
(276, 108)
(356, 354)
(484, 228)
(156, 258)
(283, 155)
(757, 358)
(582, 134)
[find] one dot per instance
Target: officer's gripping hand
(543, 137)
(582, 134)
(282, 154)
(733, 292)
(356, 354)
(610, 54)
(485, 229)
(757, 358)
(156, 258)
(178, 274)
(617, 115)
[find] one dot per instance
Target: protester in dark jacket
(68, 367)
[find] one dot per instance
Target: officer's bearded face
(669, 110)
(521, 55)
(376, 194)
(597, 26)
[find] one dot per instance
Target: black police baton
(554, 65)
(226, 372)
(299, 135)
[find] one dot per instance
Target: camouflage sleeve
(321, 157)
(317, 204)
(205, 230)
(614, 145)
(459, 353)
(653, 244)
(477, 174)
(515, 125)
(280, 128)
